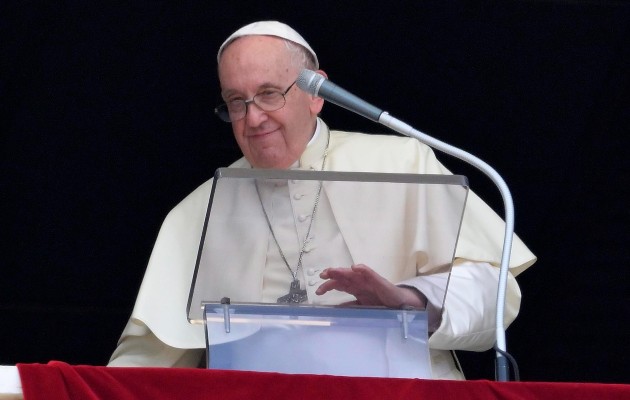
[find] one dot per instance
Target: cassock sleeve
(468, 319)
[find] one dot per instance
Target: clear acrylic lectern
(408, 221)
(344, 341)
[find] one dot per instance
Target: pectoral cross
(296, 295)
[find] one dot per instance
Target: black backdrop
(106, 124)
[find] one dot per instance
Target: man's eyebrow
(265, 85)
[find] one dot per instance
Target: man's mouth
(262, 134)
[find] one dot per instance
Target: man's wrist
(413, 298)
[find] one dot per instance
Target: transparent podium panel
(302, 339)
(403, 226)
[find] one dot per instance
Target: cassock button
(310, 271)
(312, 282)
(298, 196)
(303, 217)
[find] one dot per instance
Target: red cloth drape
(60, 381)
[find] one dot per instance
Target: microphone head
(310, 81)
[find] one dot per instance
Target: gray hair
(300, 57)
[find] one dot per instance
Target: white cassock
(159, 334)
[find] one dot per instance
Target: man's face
(268, 139)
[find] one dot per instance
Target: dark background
(106, 123)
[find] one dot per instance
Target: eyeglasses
(267, 100)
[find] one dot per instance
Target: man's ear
(317, 103)
(321, 72)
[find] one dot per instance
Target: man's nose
(254, 114)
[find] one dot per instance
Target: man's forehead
(255, 54)
(248, 66)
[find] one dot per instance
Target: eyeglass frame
(223, 108)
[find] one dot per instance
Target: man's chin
(270, 163)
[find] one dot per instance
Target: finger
(337, 273)
(333, 271)
(362, 268)
(341, 284)
(327, 287)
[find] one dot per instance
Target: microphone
(317, 85)
(313, 83)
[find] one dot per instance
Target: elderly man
(276, 125)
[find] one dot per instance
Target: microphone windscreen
(310, 81)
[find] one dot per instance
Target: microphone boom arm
(316, 84)
(501, 367)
